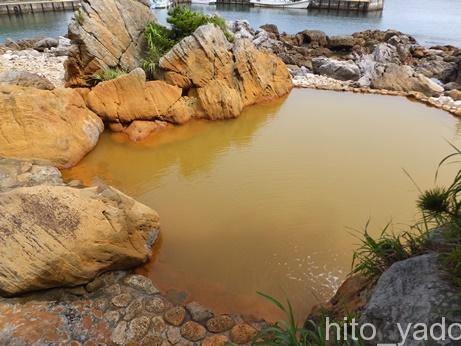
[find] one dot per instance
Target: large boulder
(402, 78)
(337, 69)
(107, 34)
(55, 236)
(46, 43)
(129, 98)
(26, 79)
(438, 68)
(222, 76)
(313, 38)
(48, 125)
(341, 43)
(412, 291)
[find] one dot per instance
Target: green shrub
(159, 42)
(183, 22)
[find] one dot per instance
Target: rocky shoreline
(76, 245)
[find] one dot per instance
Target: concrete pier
(19, 7)
(348, 5)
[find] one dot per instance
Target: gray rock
(452, 86)
(337, 69)
(271, 28)
(412, 291)
(198, 312)
(25, 79)
(341, 43)
(314, 37)
(141, 283)
(46, 43)
(264, 42)
(386, 53)
(439, 69)
(14, 173)
(403, 45)
(402, 78)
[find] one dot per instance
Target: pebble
(215, 340)
(219, 324)
(173, 334)
(242, 333)
(198, 312)
(133, 310)
(158, 325)
(193, 331)
(45, 64)
(121, 300)
(175, 316)
(138, 328)
(141, 283)
(157, 305)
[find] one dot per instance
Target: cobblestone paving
(116, 309)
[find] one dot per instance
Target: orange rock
(50, 125)
(141, 129)
(129, 98)
(224, 77)
(68, 236)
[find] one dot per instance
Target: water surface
(267, 202)
(431, 22)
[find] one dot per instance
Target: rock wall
(106, 34)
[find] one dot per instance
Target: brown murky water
(266, 202)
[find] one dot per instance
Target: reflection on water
(266, 202)
(34, 25)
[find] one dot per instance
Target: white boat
(163, 3)
(203, 2)
(281, 3)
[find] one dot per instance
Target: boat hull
(203, 2)
(303, 4)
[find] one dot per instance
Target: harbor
(26, 7)
(17, 8)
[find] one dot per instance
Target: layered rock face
(49, 125)
(106, 34)
(222, 77)
(55, 235)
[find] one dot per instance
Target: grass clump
(440, 210)
(79, 18)
(374, 256)
(108, 75)
(289, 333)
(183, 23)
